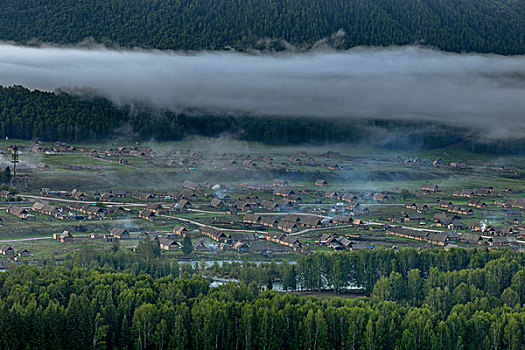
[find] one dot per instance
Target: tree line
(52, 116)
(454, 300)
(476, 26)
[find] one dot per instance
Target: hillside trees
(475, 26)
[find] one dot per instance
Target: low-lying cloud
(485, 92)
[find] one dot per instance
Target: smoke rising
(484, 92)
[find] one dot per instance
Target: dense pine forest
(37, 115)
(495, 26)
(454, 299)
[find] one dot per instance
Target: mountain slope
(496, 26)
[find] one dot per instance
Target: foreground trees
(104, 307)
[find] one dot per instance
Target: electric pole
(14, 159)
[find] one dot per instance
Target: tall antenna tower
(14, 159)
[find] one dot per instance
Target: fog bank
(485, 92)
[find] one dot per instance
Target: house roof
(252, 217)
(287, 225)
(168, 241)
(243, 236)
(119, 231)
(266, 219)
(311, 220)
(471, 237)
(342, 218)
(292, 218)
(437, 237)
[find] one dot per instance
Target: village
(252, 203)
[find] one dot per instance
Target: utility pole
(14, 159)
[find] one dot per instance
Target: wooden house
(271, 205)
(380, 197)
(287, 226)
(321, 183)
(445, 204)
(471, 238)
(180, 231)
(407, 233)
(191, 185)
(120, 233)
(182, 205)
(284, 192)
(429, 187)
(118, 193)
(154, 207)
(437, 238)
(143, 196)
(147, 214)
(7, 250)
(199, 245)
(269, 221)
(342, 219)
(252, 219)
(312, 221)
(168, 244)
(107, 197)
(17, 211)
(215, 234)
(78, 195)
(64, 237)
(418, 217)
(502, 240)
(243, 236)
(217, 203)
(23, 253)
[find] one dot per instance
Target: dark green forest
(434, 299)
(37, 115)
(496, 26)
(41, 115)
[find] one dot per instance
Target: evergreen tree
(269, 281)
(187, 245)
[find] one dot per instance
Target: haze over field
(481, 91)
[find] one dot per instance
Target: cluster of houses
(151, 211)
(103, 196)
(445, 221)
(178, 158)
(490, 229)
(478, 192)
(58, 212)
(457, 209)
(342, 243)
(420, 207)
(437, 163)
(518, 203)
(121, 151)
(64, 212)
(291, 222)
(250, 242)
(90, 210)
(444, 238)
(57, 147)
(439, 238)
(114, 233)
(19, 212)
(10, 252)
